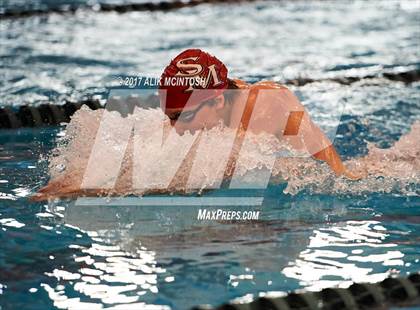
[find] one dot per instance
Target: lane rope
(109, 7)
(51, 114)
(400, 292)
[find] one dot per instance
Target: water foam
(393, 170)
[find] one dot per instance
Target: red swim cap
(191, 70)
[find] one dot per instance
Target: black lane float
(400, 292)
(51, 114)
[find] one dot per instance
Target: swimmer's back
(273, 106)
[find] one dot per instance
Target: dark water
(62, 255)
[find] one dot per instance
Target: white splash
(395, 169)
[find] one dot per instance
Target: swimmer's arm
(321, 148)
(331, 157)
(302, 133)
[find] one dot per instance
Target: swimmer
(196, 93)
(276, 112)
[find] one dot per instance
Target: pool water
(67, 256)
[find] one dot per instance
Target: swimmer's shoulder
(268, 85)
(240, 84)
(278, 95)
(259, 85)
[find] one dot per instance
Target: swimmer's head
(191, 90)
